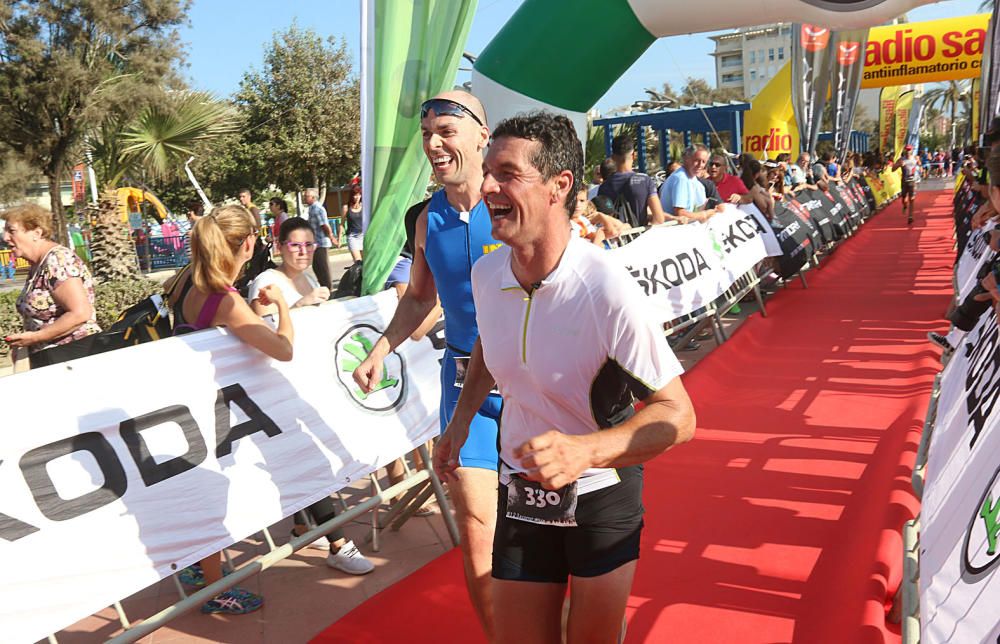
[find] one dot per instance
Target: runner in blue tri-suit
(452, 233)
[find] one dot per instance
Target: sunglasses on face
(298, 247)
(714, 164)
(445, 107)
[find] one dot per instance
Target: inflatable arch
(563, 55)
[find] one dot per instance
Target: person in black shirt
(638, 189)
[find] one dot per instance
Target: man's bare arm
(476, 387)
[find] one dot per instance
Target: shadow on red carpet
(780, 521)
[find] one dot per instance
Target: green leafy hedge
(111, 298)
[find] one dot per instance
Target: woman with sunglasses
(296, 245)
(350, 215)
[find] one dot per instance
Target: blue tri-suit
(452, 247)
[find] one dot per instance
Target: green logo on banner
(982, 538)
(350, 350)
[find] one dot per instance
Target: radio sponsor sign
(924, 52)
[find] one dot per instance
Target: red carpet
(780, 521)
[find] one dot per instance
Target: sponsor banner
(900, 121)
(769, 126)
(913, 124)
(739, 240)
(771, 245)
(409, 53)
(810, 69)
(819, 213)
(677, 268)
(987, 90)
(796, 236)
(845, 83)
(134, 482)
(887, 117)
(960, 513)
(925, 52)
(976, 252)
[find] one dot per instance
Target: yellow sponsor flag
(925, 52)
(902, 120)
(769, 126)
(887, 117)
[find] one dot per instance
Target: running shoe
(941, 341)
(350, 560)
(235, 601)
(192, 576)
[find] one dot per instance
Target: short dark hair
(607, 168)
(290, 225)
(280, 203)
(558, 148)
(244, 190)
(196, 206)
(622, 145)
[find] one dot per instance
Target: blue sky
(226, 38)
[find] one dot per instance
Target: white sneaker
(350, 560)
(320, 544)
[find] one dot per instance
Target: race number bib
(530, 502)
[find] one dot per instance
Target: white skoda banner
(153, 457)
(977, 252)
(683, 268)
(960, 514)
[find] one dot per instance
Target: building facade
(747, 58)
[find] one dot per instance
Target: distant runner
(911, 177)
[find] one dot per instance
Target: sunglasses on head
(445, 107)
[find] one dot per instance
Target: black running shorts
(909, 189)
(609, 523)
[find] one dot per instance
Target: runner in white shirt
(566, 336)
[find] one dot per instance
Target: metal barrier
(417, 484)
(159, 253)
(19, 263)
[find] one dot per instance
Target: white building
(747, 58)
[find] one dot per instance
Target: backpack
(350, 283)
(259, 262)
(624, 211)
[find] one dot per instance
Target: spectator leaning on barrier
(730, 187)
(754, 179)
(57, 301)
(636, 189)
(569, 433)
(297, 245)
(324, 236)
(682, 194)
(204, 297)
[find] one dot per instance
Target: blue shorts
(400, 273)
(480, 448)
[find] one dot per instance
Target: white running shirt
(575, 354)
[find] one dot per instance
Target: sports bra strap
(210, 308)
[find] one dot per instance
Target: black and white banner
(845, 84)
(153, 457)
(683, 268)
(960, 513)
(810, 80)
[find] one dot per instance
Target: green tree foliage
(301, 120)
(15, 175)
(696, 91)
(955, 97)
(161, 137)
(65, 66)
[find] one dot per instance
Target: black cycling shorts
(609, 523)
(909, 188)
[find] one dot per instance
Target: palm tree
(951, 95)
(154, 146)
